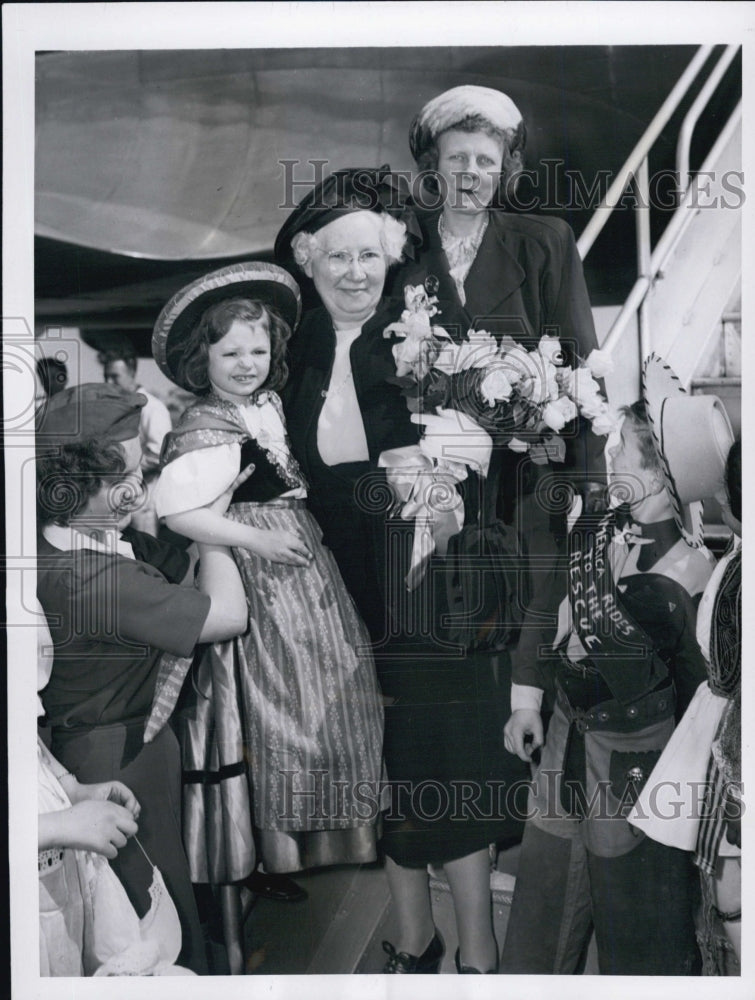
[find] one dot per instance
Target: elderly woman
(443, 724)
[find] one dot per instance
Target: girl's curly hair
(216, 321)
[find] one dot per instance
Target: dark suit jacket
(526, 281)
(353, 533)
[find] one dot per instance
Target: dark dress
(445, 705)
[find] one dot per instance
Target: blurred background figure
(53, 375)
(119, 369)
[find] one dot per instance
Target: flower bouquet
(522, 399)
(472, 396)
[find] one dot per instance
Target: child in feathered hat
(625, 664)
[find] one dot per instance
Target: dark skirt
(454, 787)
(153, 773)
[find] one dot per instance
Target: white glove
(452, 436)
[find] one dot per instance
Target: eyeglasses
(339, 261)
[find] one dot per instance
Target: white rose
(559, 412)
(544, 384)
(516, 445)
(585, 392)
(551, 350)
(600, 363)
(553, 417)
(517, 365)
(477, 351)
(605, 422)
(495, 386)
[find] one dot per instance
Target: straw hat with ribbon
(692, 437)
(257, 280)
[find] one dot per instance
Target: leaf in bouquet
(437, 392)
(403, 381)
(415, 404)
(556, 448)
(539, 453)
(519, 412)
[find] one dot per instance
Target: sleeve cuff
(525, 696)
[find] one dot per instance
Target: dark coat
(342, 497)
(526, 281)
(384, 411)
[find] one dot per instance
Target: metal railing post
(644, 265)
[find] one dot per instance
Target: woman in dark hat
(443, 730)
(114, 618)
(291, 710)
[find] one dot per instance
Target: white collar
(68, 539)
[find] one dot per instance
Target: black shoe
(280, 888)
(465, 970)
(401, 961)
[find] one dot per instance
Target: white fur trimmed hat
(692, 437)
(456, 104)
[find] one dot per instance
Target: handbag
(484, 590)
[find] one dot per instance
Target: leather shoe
(280, 888)
(402, 962)
(466, 970)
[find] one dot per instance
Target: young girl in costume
(288, 715)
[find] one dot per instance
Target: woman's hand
(281, 546)
(525, 725)
(90, 825)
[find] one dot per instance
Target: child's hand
(108, 791)
(91, 825)
(282, 546)
(523, 733)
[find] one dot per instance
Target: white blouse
(197, 478)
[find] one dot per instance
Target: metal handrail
(671, 236)
(650, 262)
(640, 151)
(691, 118)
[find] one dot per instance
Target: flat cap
(94, 410)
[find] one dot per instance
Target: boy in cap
(112, 617)
(625, 664)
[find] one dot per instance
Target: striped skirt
(285, 728)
